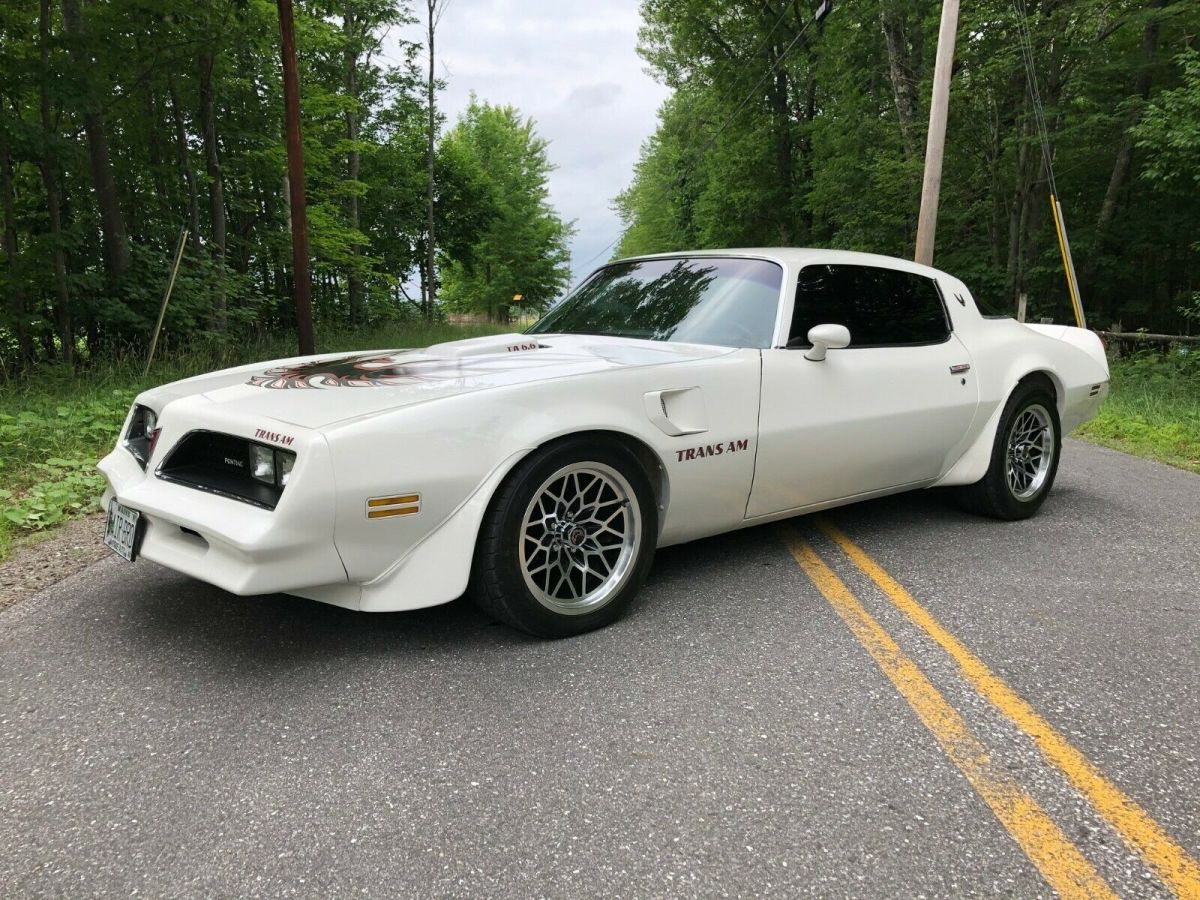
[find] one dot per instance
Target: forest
(818, 139)
(124, 122)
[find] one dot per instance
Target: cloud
(593, 96)
(572, 66)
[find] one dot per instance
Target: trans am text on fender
(666, 399)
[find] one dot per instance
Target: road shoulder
(33, 568)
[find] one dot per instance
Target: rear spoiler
(1087, 341)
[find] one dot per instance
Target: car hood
(317, 391)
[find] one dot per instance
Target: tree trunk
(1124, 159)
(784, 161)
(16, 290)
(903, 77)
(354, 276)
(487, 290)
(154, 155)
(806, 113)
(996, 222)
(298, 213)
(114, 237)
(1018, 211)
(184, 158)
(216, 190)
(430, 244)
(62, 299)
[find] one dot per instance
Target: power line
(1025, 39)
(603, 250)
(757, 50)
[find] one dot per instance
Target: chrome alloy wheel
(1029, 453)
(580, 537)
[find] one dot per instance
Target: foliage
(517, 243)
(819, 141)
(68, 487)
(1154, 408)
(1170, 129)
(177, 107)
(62, 485)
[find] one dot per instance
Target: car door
(883, 413)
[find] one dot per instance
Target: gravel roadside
(35, 567)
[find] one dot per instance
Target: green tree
(122, 121)
(519, 245)
(1170, 129)
(823, 145)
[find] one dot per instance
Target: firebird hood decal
(371, 370)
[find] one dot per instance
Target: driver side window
(881, 307)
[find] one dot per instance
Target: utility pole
(935, 146)
(295, 164)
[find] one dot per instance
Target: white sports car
(667, 398)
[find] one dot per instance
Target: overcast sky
(572, 66)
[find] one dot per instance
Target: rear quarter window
(880, 307)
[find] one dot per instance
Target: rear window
(990, 309)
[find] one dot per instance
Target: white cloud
(572, 66)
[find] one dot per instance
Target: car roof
(798, 257)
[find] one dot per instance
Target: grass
(56, 424)
(1153, 409)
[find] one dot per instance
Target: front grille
(220, 464)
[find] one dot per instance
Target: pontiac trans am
(667, 398)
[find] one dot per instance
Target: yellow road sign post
(1064, 246)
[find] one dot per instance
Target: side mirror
(826, 337)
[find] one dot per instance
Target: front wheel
(567, 541)
(1024, 457)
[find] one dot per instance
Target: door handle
(960, 369)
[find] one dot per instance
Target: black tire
(502, 585)
(994, 495)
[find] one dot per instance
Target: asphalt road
(731, 736)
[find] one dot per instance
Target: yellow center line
(1171, 862)
(1060, 862)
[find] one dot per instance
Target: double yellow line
(1060, 862)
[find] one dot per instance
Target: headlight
(262, 463)
(271, 466)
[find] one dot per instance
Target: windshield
(728, 302)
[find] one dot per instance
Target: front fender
(437, 568)
(454, 452)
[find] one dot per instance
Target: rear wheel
(567, 541)
(1024, 457)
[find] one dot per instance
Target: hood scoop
(485, 346)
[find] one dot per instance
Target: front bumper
(234, 545)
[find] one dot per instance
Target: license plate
(122, 530)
